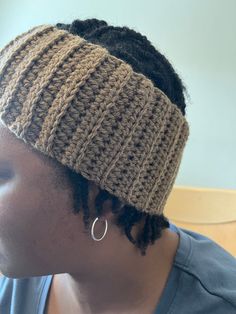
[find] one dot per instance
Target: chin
(13, 273)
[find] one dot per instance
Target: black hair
(135, 49)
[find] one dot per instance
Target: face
(39, 234)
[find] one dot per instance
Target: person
(92, 133)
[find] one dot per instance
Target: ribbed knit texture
(75, 102)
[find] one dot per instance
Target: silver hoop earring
(92, 230)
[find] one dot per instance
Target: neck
(134, 286)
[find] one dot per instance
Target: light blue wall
(198, 38)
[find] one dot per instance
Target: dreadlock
(135, 49)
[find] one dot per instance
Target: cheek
(37, 227)
(22, 219)
(16, 210)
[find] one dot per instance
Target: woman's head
(39, 233)
(51, 193)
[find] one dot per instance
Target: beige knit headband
(74, 101)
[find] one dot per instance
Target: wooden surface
(211, 212)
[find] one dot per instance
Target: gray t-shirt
(202, 281)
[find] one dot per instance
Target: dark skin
(39, 235)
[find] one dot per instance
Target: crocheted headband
(75, 102)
